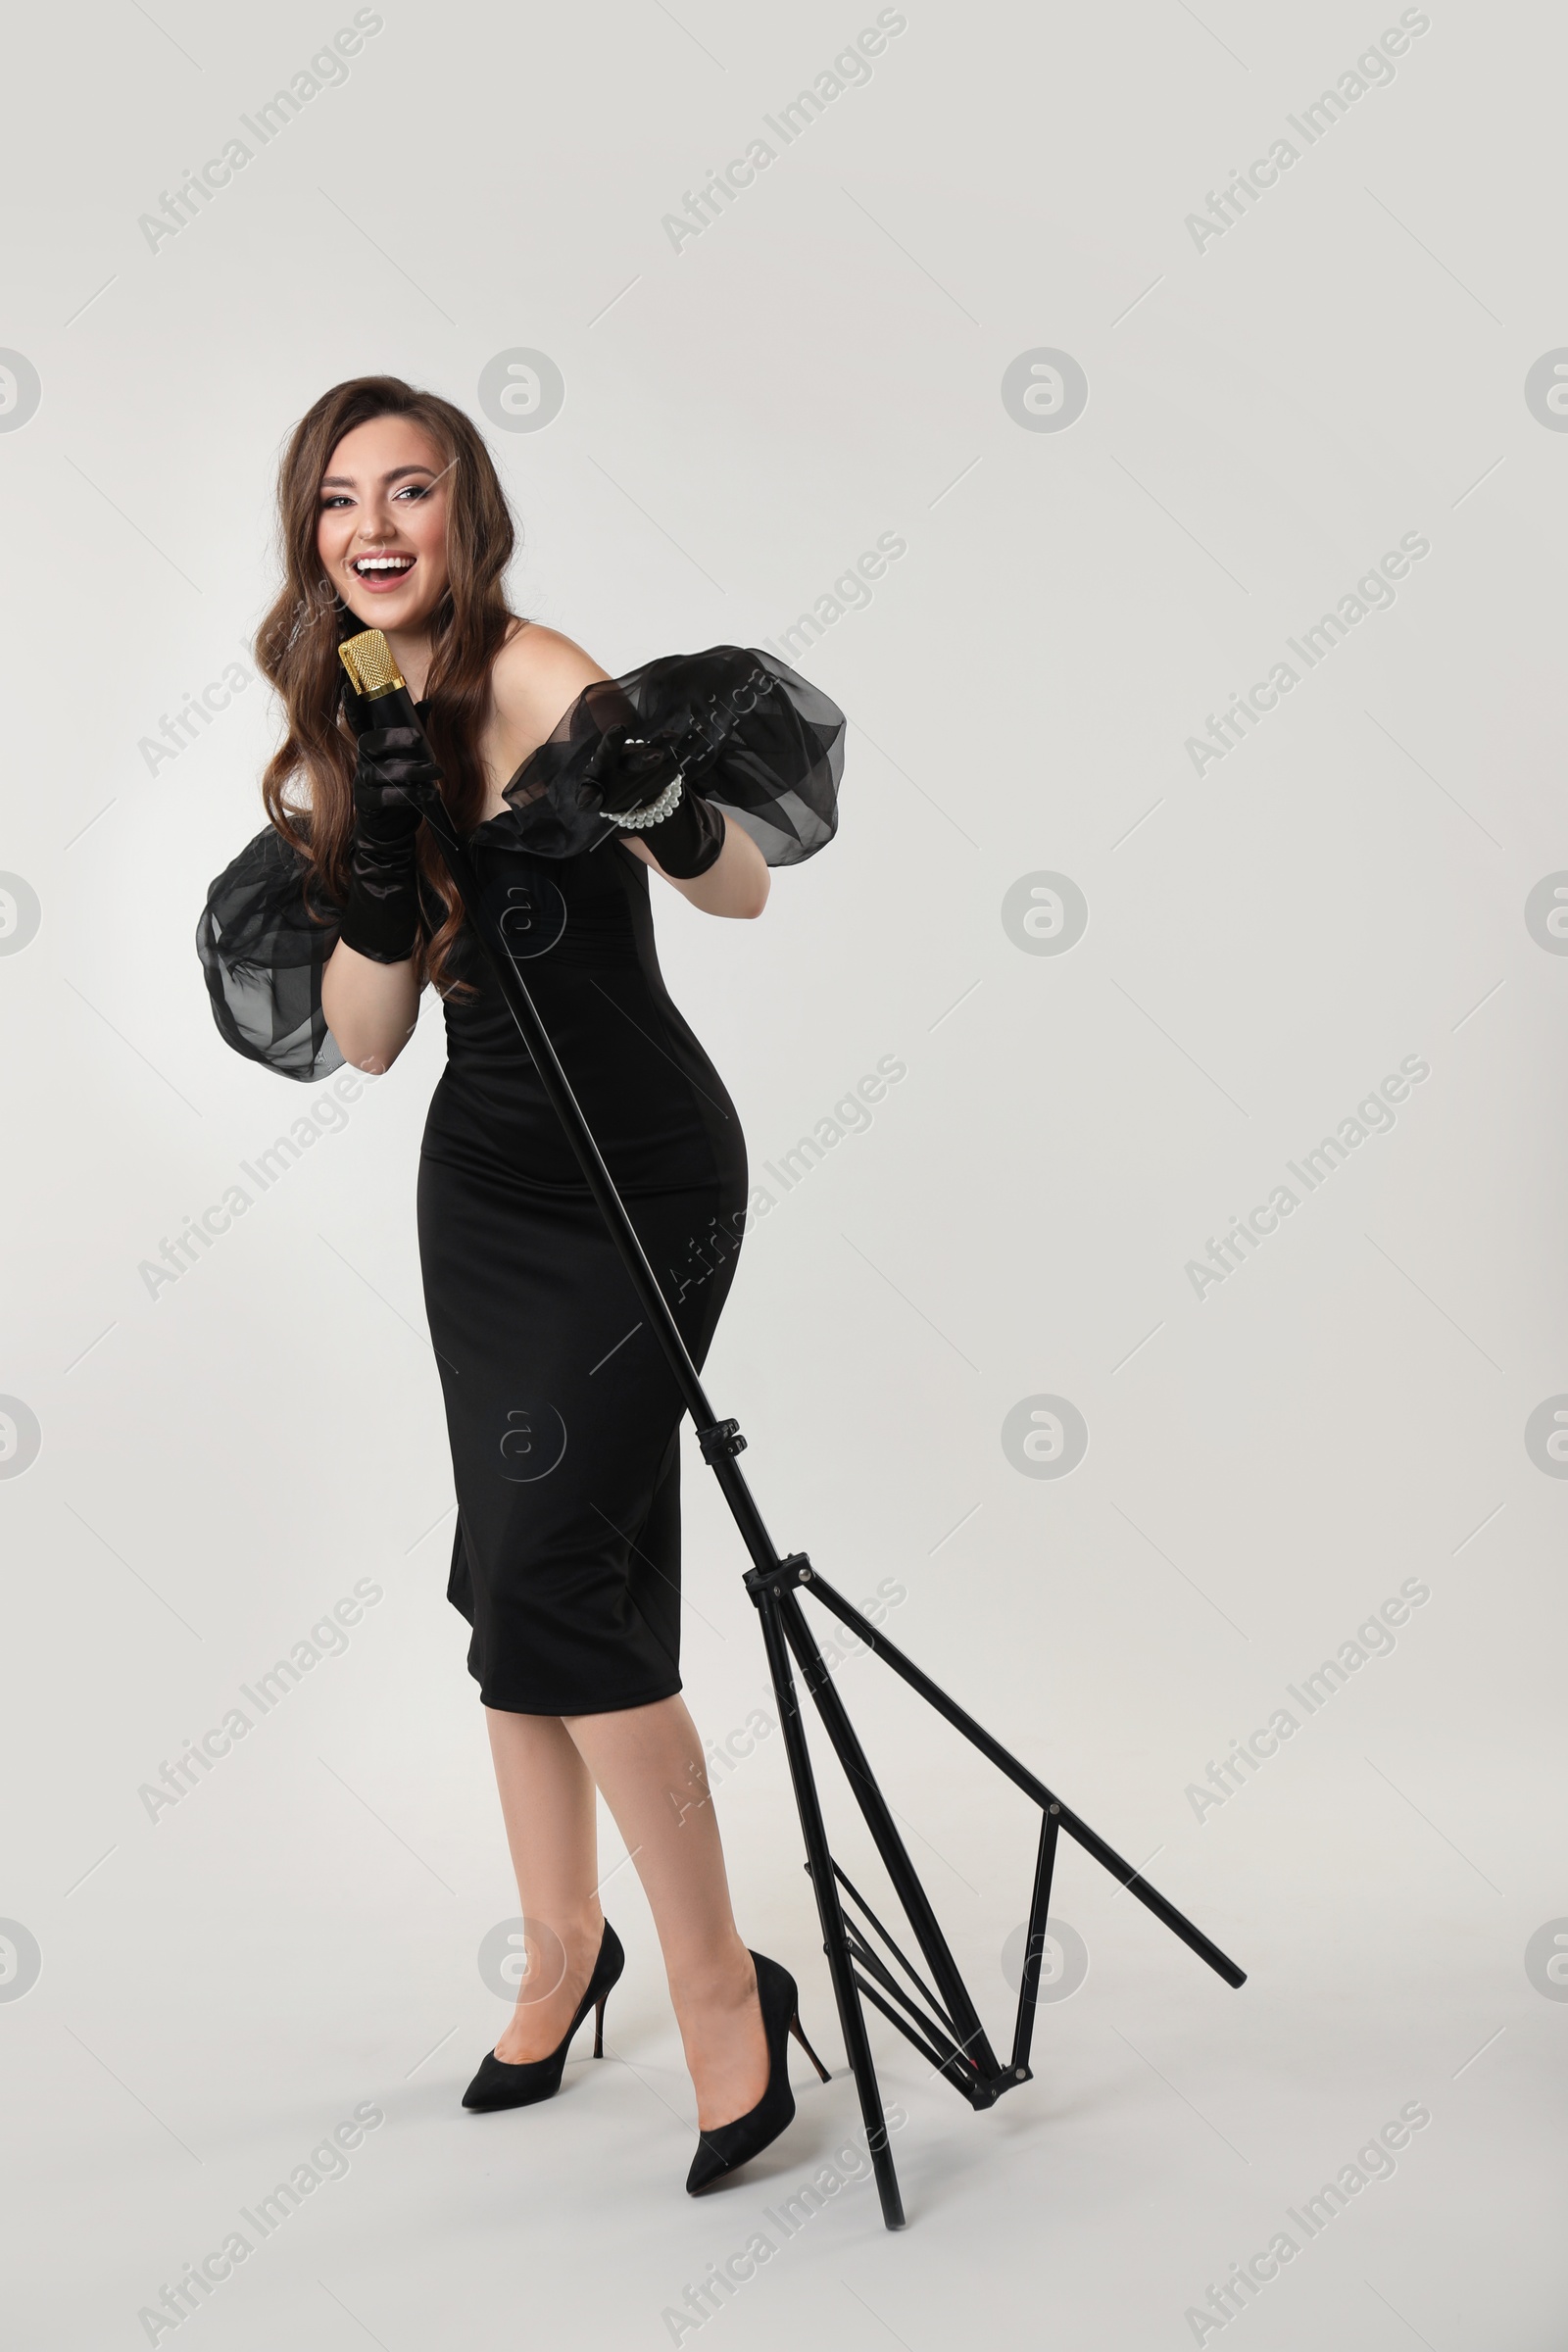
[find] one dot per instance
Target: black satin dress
(562, 1411)
(561, 1414)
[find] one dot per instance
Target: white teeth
(383, 564)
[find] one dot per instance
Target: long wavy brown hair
(296, 649)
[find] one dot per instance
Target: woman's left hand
(737, 883)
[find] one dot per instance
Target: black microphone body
(391, 707)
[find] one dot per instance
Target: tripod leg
(889, 1846)
(1035, 1939)
(1068, 1821)
(824, 1885)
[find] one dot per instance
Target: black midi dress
(563, 1416)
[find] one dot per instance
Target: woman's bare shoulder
(536, 677)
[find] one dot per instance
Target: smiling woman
(570, 788)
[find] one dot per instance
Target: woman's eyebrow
(345, 481)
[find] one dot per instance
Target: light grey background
(1268, 413)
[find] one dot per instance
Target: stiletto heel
(795, 2029)
(498, 2084)
(728, 2146)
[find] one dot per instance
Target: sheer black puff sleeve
(263, 939)
(748, 734)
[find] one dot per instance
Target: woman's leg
(547, 1801)
(649, 1763)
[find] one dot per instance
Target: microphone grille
(368, 658)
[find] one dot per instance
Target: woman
(561, 1414)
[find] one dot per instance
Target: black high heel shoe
(727, 2146)
(498, 2084)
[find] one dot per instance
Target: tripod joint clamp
(796, 1569)
(722, 1439)
(987, 2090)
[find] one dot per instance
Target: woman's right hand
(395, 781)
(368, 991)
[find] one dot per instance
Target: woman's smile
(380, 574)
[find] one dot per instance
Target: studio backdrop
(1151, 426)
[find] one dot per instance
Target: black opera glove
(644, 783)
(394, 783)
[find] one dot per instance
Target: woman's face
(382, 529)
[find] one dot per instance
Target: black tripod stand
(941, 2020)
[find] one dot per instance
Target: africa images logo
(1044, 1436)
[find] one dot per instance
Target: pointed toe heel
(727, 2146)
(498, 2084)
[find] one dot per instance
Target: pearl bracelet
(656, 812)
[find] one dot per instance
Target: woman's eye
(415, 490)
(333, 499)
